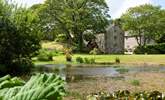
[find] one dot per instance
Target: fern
(39, 87)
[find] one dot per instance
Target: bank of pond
(50, 82)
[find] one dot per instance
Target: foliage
(8, 82)
(19, 36)
(135, 82)
(68, 54)
(73, 17)
(85, 60)
(95, 51)
(127, 95)
(151, 49)
(39, 87)
(89, 60)
(145, 22)
(45, 55)
(79, 60)
(88, 36)
(21, 66)
(160, 38)
(61, 38)
(3, 69)
(117, 60)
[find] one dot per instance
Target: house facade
(112, 42)
(116, 41)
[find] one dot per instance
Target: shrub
(117, 60)
(86, 60)
(68, 54)
(92, 61)
(151, 49)
(19, 66)
(20, 35)
(89, 61)
(22, 65)
(95, 51)
(45, 55)
(79, 60)
(68, 57)
(3, 69)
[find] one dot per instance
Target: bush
(151, 49)
(95, 51)
(117, 60)
(45, 55)
(3, 69)
(18, 67)
(22, 65)
(68, 54)
(86, 60)
(20, 36)
(92, 61)
(79, 60)
(89, 61)
(68, 57)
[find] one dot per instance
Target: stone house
(112, 42)
(116, 41)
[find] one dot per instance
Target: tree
(160, 36)
(19, 37)
(145, 22)
(73, 17)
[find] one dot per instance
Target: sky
(116, 7)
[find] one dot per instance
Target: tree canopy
(145, 22)
(73, 17)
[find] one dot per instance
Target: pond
(84, 72)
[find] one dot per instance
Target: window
(115, 37)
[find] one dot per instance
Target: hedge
(151, 49)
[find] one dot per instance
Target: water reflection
(76, 73)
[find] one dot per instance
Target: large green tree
(73, 17)
(145, 22)
(19, 38)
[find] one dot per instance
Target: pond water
(79, 72)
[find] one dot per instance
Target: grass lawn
(124, 59)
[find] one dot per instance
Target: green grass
(124, 59)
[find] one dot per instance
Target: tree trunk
(137, 40)
(80, 41)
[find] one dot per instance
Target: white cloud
(123, 6)
(28, 2)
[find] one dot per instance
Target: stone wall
(114, 40)
(100, 40)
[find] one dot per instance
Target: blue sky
(117, 7)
